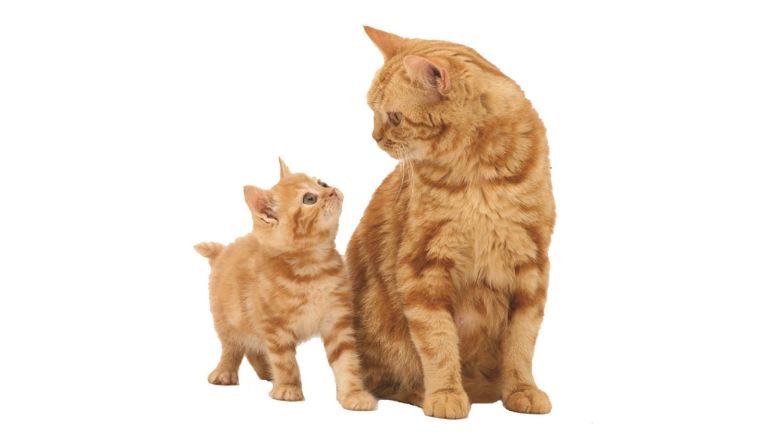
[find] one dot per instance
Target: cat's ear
(389, 44)
(432, 73)
(284, 171)
(261, 203)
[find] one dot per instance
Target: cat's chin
(401, 156)
(395, 150)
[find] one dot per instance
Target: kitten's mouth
(333, 204)
(339, 195)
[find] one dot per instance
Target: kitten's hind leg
(260, 363)
(226, 372)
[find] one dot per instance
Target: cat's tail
(209, 250)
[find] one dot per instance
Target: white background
(127, 130)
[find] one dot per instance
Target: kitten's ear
(389, 44)
(261, 203)
(284, 171)
(432, 73)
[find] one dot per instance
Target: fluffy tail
(209, 250)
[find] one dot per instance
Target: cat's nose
(378, 133)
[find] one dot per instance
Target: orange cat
(282, 284)
(449, 264)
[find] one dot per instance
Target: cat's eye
(322, 183)
(309, 199)
(394, 118)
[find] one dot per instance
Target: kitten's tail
(209, 250)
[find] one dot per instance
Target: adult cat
(449, 263)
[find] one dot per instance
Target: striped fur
(282, 284)
(449, 264)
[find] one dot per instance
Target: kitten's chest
(316, 304)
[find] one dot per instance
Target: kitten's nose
(336, 193)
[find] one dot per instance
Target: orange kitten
(449, 264)
(282, 284)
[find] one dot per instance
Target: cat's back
(380, 230)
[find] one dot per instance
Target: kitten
(282, 284)
(449, 263)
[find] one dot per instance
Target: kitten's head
(297, 212)
(426, 89)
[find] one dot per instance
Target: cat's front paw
(358, 400)
(288, 392)
(528, 401)
(446, 404)
(223, 377)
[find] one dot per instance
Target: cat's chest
(487, 237)
(497, 248)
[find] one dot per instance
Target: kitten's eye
(322, 183)
(394, 118)
(309, 199)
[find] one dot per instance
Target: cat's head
(297, 212)
(428, 89)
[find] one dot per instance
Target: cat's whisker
(409, 166)
(400, 155)
(413, 171)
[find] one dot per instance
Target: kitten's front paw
(288, 392)
(223, 377)
(447, 404)
(358, 401)
(528, 401)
